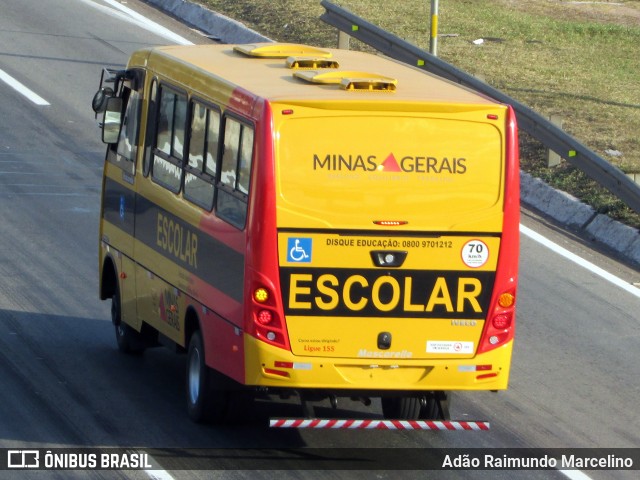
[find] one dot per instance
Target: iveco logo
(463, 323)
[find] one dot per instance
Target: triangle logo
(390, 164)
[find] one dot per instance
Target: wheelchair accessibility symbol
(299, 250)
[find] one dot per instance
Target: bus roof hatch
(281, 50)
(350, 80)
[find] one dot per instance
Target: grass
(579, 61)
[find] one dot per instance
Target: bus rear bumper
(268, 366)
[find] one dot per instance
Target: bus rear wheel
(431, 406)
(207, 397)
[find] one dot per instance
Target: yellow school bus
(309, 221)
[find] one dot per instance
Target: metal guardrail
(551, 136)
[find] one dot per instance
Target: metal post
(433, 44)
(553, 159)
(343, 40)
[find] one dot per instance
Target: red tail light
(264, 317)
(502, 321)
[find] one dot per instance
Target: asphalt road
(575, 380)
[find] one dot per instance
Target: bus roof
(262, 70)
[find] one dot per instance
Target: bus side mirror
(99, 102)
(112, 120)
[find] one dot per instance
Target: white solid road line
(150, 25)
(20, 88)
(575, 475)
(129, 15)
(580, 261)
(158, 475)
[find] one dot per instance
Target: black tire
(442, 404)
(433, 406)
(401, 408)
(207, 397)
(129, 341)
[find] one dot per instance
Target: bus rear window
(344, 169)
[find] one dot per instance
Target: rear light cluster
(503, 319)
(500, 327)
(268, 323)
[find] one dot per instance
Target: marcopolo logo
(406, 164)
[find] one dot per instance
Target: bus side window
(151, 128)
(168, 154)
(244, 162)
(235, 172)
(203, 155)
